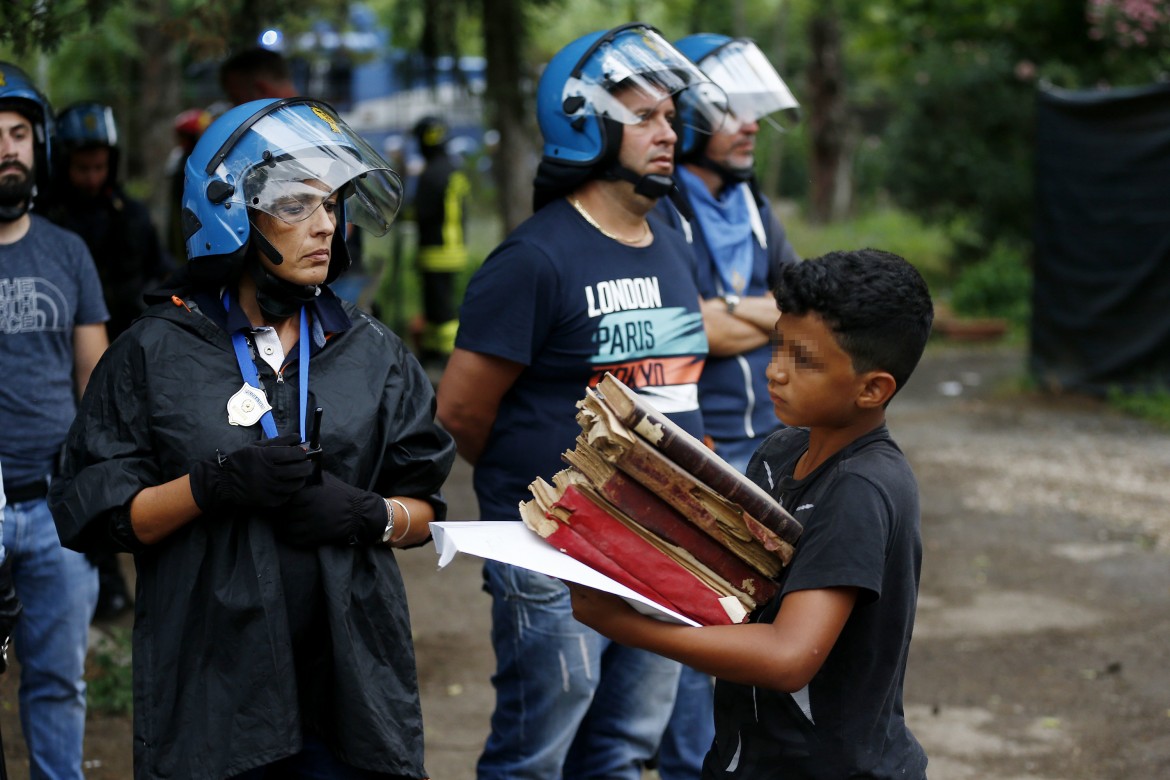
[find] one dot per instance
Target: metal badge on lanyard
(250, 403)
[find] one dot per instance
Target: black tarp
(1101, 297)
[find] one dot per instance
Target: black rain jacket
(215, 691)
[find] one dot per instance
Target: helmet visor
(754, 89)
(308, 157)
(635, 67)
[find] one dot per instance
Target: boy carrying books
(812, 686)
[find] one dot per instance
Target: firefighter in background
(440, 209)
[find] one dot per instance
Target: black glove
(263, 474)
(331, 512)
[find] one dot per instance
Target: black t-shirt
(860, 516)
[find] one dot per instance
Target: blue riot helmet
(85, 125)
(17, 93)
(755, 92)
(286, 158)
(579, 103)
(580, 86)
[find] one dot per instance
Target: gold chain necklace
(628, 242)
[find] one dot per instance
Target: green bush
(960, 144)
(1000, 285)
(1152, 405)
(889, 229)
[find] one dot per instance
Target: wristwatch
(731, 301)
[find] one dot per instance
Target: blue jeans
(569, 702)
(59, 590)
(691, 729)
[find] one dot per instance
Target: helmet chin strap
(650, 185)
(278, 299)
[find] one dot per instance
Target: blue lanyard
(252, 376)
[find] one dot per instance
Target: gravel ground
(1043, 635)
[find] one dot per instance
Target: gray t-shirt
(48, 286)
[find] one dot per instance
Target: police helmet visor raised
(754, 89)
(639, 59)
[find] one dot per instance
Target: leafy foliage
(1142, 24)
(1152, 405)
(36, 24)
(1136, 34)
(961, 142)
(926, 247)
(1000, 285)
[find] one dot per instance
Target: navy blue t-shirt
(733, 390)
(570, 304)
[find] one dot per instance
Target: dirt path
(1042, 646)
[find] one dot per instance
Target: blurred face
(734, 150)
(811, 380)
(243, 87)
(17, 149)
(89, 169)
(648, 146)
(305, 242)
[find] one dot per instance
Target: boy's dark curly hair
(876, 304)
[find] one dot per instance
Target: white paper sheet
(513, 542)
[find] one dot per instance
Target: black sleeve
(108, 456)
(419, 453)
(844, 539)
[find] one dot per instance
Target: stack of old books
(649, 505)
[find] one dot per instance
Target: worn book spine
(634, 554)
(655, 515)
(765, 552)
(696, 458)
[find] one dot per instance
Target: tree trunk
(157, 74)
(507, 105)
(826, 82)
(771, 176)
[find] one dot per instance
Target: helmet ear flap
(693, 129)
(611, 143)
(339, 257)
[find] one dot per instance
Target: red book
(566, 539)
(654, 514)
(631, 553)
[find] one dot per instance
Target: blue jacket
(733, 393)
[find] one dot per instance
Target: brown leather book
(605, 435)
(696, 458)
